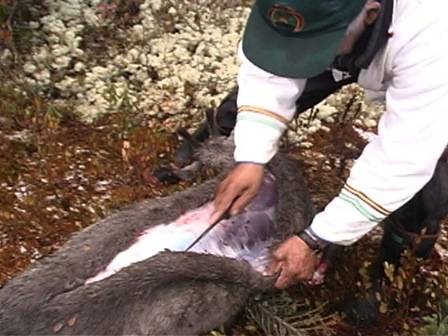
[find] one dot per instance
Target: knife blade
(225, 215)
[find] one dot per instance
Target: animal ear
(188, 138)
(213, 127)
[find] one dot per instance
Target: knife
(225, 215)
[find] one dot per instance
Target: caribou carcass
(129, 273)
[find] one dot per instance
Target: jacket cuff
(256, 137)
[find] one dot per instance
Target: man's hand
(294, 260)
(241, 186)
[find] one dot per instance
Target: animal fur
(172, 293)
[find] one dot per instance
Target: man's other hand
(294, 260)
(241, 186)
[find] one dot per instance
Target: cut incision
(247, 236)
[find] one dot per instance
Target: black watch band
(311, 241)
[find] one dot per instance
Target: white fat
(178, 235)
(175, 236)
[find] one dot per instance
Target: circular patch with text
(286, 18)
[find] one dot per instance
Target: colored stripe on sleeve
(261, 120)
(255, 109)
(366, 200)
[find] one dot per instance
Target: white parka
(412, 69)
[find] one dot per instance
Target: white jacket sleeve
(266, 103)
(412, 136)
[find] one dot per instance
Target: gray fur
(172, 293)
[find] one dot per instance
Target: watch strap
(308, 240)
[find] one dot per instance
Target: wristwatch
(314, 243)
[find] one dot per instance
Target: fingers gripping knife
(225, 215)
